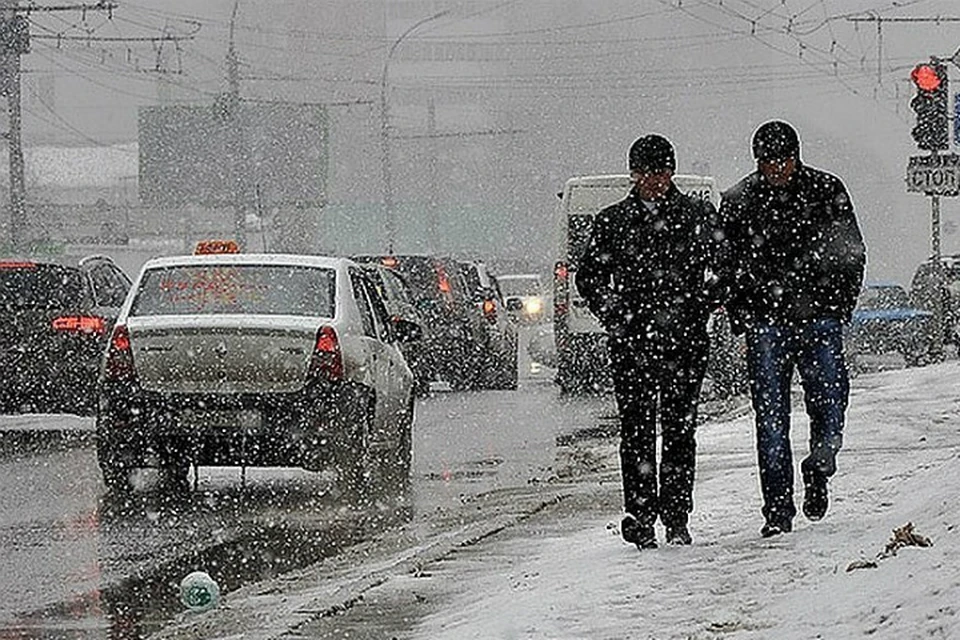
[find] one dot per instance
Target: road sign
(934, 175)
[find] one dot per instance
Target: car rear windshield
(237, 289)
(27, 285)
(420, 272)
(520, 285)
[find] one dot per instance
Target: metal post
(433, 201)
(938, 306)
(10, 62)
(385, 168)
(389, 213)
(238, 165)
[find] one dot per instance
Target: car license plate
(224, 419)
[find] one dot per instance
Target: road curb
(277, 608)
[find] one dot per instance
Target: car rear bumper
(280, 429)
(50, 381)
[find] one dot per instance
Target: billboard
(269, 154)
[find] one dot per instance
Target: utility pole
(15, 38)
(15, 42)
(385, 152)
(238, 165)
(433, 194)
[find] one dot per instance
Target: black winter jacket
(644, 274)
(795, 252)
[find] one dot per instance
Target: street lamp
(388, 207)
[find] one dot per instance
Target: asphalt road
(76, 565)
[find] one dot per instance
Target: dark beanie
(652, 153)
(776, 140)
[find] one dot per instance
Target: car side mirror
(406, 331)
(514, 304)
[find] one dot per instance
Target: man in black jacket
(644, 275)
(795, 270)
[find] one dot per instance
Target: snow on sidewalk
(576, 579)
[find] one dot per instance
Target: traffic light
(932, 132)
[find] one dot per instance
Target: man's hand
(613, 314)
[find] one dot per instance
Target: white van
(581, 341)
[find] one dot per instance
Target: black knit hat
(776, 140)
(652, 153)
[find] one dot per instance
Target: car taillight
(80, 324)
(561, 276)
(443, 282)
(119, 364)
(490, 310)
(327, 361)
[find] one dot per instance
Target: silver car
(258, 360)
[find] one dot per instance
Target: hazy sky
(564, 85)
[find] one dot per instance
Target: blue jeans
(816, 349)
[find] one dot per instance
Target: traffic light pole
(936, 351)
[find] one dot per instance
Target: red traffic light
(926, 77)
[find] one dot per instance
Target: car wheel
(114, 465)
(174, 468)
(403, 455)
(8, 404)
(572, 382)
(467, 372)
(507, 374)
(353, 451)
(115, 471)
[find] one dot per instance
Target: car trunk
(220, 354)
(32, 297)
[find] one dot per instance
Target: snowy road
(78, 566)
(75, 564)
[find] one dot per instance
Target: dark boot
(815, 496)
(776, 527)
(679, 536)
(641, 535)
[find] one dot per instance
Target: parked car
(495, 357)
(450, 333)
(398, 299)
(523, 294)
(256, 360)
(885, 321)
(923, 290)
(57, 315)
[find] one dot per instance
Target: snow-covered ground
(563, 572)
(900, 465)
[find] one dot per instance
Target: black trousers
(658, 378)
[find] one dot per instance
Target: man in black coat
(795, 269)
(644, 275)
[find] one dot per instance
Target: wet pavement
(78, 566)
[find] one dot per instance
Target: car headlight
(532, 306)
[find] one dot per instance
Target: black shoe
(815, 495)
(679, 536)
(775, 528)
(635, 533)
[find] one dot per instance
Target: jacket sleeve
(716, 247)
(594, 273)
(846, 257)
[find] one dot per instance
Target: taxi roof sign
(214, 247)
